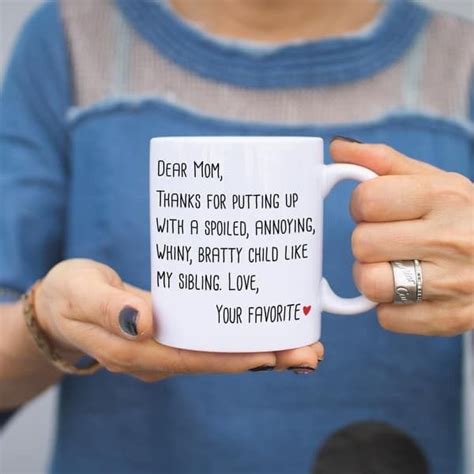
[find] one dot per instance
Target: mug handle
(329, 300)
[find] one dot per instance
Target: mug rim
(237, 138)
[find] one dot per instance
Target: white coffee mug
(236, 233)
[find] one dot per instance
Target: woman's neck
(278, 20)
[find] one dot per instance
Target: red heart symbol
(306, 309)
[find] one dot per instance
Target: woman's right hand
(85, 308)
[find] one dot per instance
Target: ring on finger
(408, 281)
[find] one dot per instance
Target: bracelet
(44, 344)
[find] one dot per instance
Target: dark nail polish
(345, 139)
(128, 320)
(302, 370)
(262, 368)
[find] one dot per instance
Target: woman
(88, 85)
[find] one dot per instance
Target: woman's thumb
(121, 309)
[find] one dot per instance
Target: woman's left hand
(413, 211)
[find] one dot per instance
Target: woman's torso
(129, 90)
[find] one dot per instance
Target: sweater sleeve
(471, 98)
(34, 99)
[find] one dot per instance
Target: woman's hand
(413, 211)
(85, 308)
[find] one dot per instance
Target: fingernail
(302, 370)
(128, 320)
(321, 359)
(345, 139)
(262, 368)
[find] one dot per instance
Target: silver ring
(408, 281)
(419, 281)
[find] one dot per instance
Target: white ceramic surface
(280, 299)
